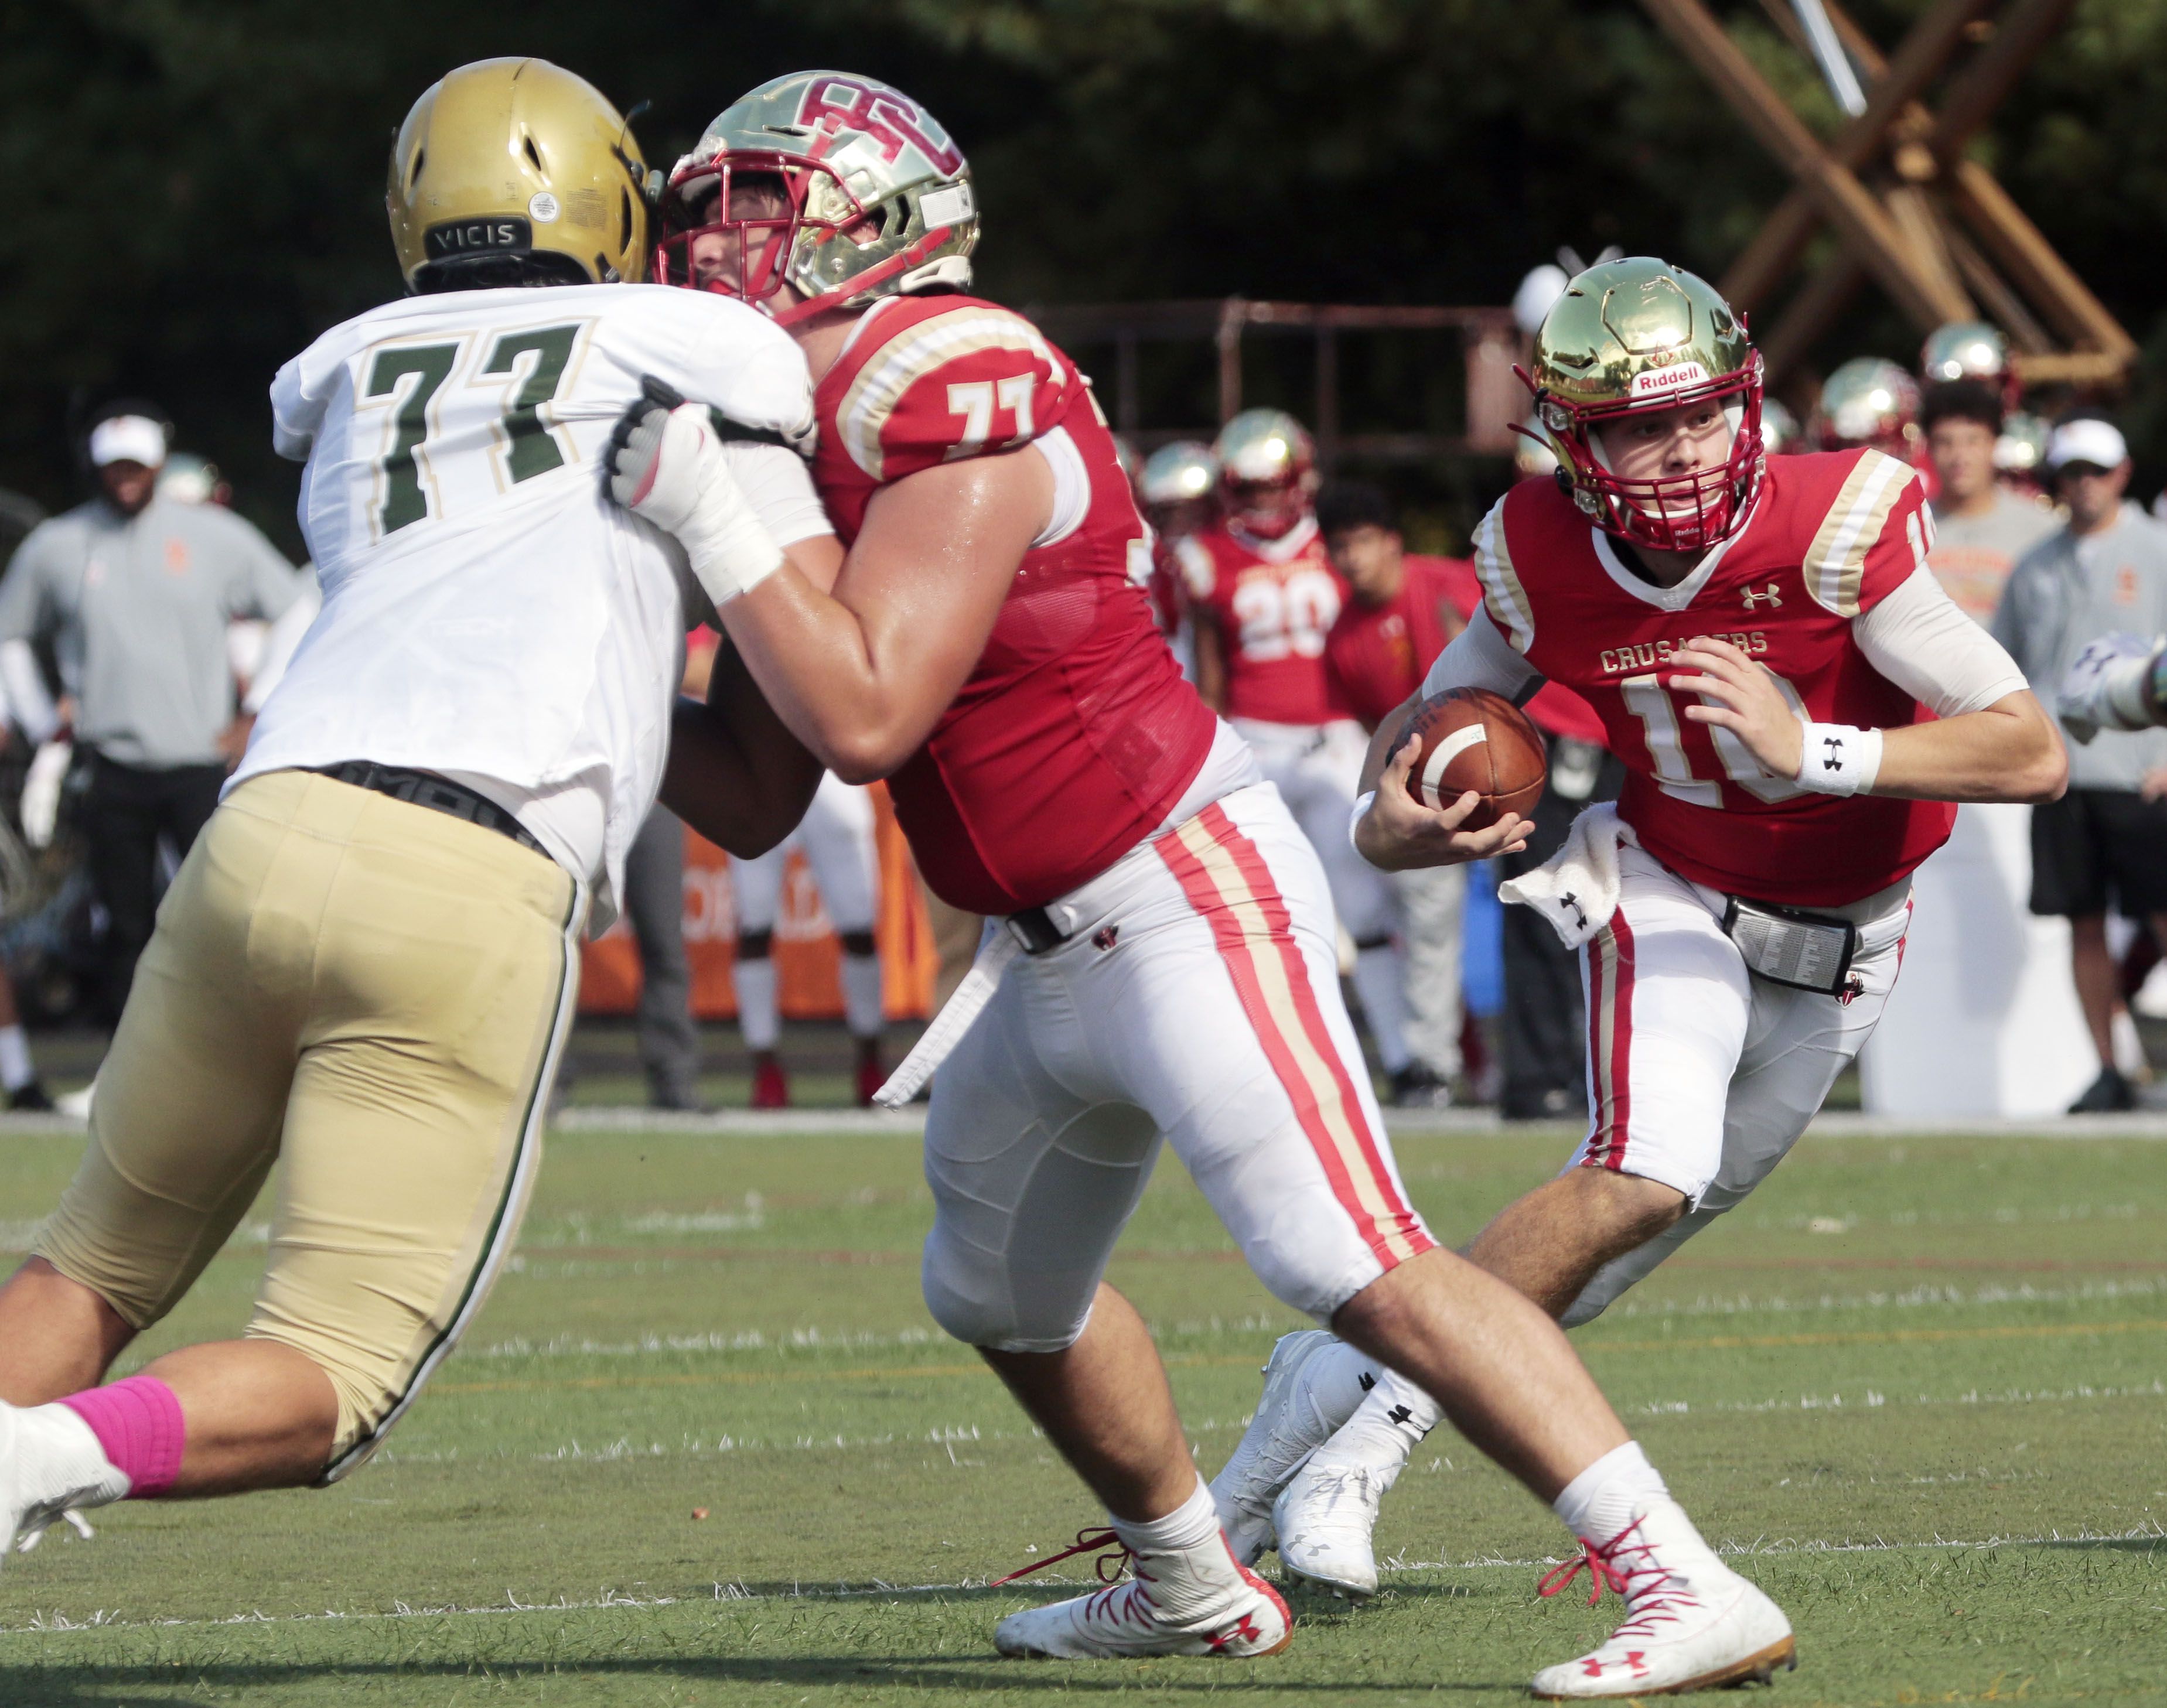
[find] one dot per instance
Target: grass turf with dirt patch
(1920, 1384)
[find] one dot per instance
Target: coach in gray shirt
(2106, 841)
(135, 591)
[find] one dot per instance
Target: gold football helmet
(1267, 472)
(1869, 400)
(514, 171)
(1635, 334)
(872, 199)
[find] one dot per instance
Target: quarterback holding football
(1159, 966)
(1763, 642)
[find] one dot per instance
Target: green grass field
(1920, 1384)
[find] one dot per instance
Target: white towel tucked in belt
(1576, 888)
(996, 949)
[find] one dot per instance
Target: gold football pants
(374, 994)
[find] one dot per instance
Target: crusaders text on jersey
(1829, 537)
(1274, 602)
(1075, 733)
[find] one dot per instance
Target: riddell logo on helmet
(1654, 382)
(882, 114)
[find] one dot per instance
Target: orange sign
(807, 958)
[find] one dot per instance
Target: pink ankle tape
(138, 1423)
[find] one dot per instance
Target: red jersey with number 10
(1829, 537)
(1075, 733)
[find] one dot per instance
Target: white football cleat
(50, 1462)
(1287, 1428)
(1324, 1518)
(1692, 1623)
(1245, 1620)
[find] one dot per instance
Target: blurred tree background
(197, 183)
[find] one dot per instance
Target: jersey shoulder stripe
(888, 372)
(1502, 592)
(1835, 562)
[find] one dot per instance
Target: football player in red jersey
(1162, 964)
(1263, 593)
(1758, 637)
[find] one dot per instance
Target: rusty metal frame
(1490, 342)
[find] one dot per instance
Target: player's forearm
(1383, 740)
(2007, 752)
(736, 773)
(838, 682)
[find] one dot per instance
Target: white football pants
(836, 838)
(1316, 767)
(1196, 1000)
(1699, 1074)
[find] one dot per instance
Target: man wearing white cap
(136, 590)
(2106, 841)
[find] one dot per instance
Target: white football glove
(2109, 686)
(666, 464)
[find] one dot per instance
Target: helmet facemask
(807, 209)
(1687, 512)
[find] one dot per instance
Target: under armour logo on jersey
(1399, 1413)
(1833, 760)
(1366, 1381)
(1773, 596)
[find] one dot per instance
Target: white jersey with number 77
(488, 614)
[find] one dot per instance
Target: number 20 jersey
(1827, 537)
(487, 613)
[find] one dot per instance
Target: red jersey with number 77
(1075, 733)
(1827, 537)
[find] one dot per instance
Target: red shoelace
(1113, 1553)
(1605, 1572)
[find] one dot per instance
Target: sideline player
(1263, 593)
(1163, 963)
(1758, 636)
(366, 968)
(836, 838)
(1177, 491)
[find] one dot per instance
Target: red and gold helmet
(1267, 472)
(874, 199)
(1638, 335)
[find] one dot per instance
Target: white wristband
(1362, 805)
(1839, 758)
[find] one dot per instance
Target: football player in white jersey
(367, 966)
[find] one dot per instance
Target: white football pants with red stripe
(1700, 1075)
(1196, 999)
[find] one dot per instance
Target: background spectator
(2104, 842)
(136, 591)
(1981, 527)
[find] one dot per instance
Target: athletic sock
(1610, 1493)
(16, 1071)
(863, 1009)
(1385, 1427)
(120, 1441)
(1191, 1565)
(1380, 980)
(757, 1017)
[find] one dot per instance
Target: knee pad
(976, 1300)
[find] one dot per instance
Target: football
(1472, 738)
